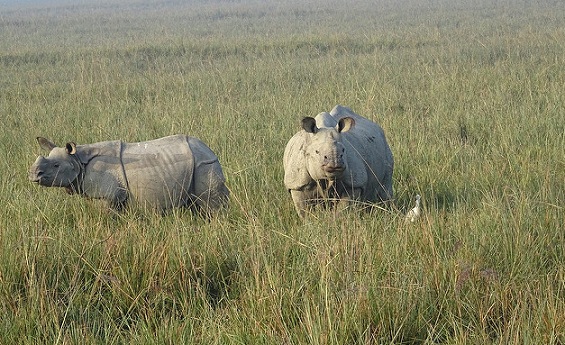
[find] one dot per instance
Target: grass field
(471, 97)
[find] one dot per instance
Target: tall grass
(470, 95)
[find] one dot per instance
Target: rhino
(160, 174)
(339, 157)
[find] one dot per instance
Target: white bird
(414, 213)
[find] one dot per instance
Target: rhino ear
(309, 125)
(345, 124)
(71, 148)
(45, 144)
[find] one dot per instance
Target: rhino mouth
(38, 177)
(334, 171)
(34, 177)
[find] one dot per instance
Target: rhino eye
(317, 152)
(56, 165)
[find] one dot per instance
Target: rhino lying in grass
(175, 171)
(338, 156)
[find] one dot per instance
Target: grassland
(471, 97)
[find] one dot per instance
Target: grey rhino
(338, 156)
(175, 171)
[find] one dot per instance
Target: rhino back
(201, 152)
(368, 140)
(367, 136)
(208, 172)
(208, 190)
(159, 172)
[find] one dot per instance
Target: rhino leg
(118, 201)
(300, 200)
(338, 199)
(352, 199)
(209, 190)
(384, 189)
(103, 185)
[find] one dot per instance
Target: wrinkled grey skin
(338, 156)
(175, 171)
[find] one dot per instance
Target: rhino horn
(35, 172)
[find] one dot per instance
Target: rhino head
(325, 152)
(59, 169)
